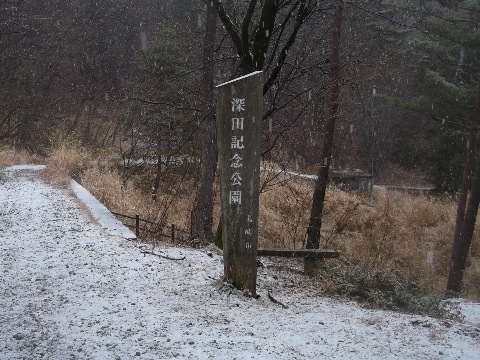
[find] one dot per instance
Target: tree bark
(466, 213)
(158, 172)
(315, 223)
(202, 213)
(462, 247)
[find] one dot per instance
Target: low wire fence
(147, 229)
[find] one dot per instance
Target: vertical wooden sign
(239, 117)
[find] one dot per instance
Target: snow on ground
(70, 290)
(100, 213)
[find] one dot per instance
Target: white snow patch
(100, 213)
(29, 167)
(68, 290)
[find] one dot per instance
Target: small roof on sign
(239, 78)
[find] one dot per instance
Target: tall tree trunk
(466, 213)
(460, 252)
(315, 224)
(202, 212)
(158, 172)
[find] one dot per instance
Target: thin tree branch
(229, 25)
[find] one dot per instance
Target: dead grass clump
(378, 235)
(10, 156)
(389, 231)
(285, 211)
(340, 217)
(408, 233)
(127, 196)
(284, 215)
(424, 211)
(67, 159)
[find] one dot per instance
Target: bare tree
(313, 230)
(466, 211)
(265, 34)
(262, 34)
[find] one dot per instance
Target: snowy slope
(69, 290)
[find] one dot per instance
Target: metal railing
(150, 227)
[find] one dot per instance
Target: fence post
(137, 225)
(173, 233)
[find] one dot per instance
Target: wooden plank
(305, 253)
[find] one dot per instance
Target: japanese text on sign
(236, 162)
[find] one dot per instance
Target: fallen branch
(275, 301)
(163, 256)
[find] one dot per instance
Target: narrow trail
(67, 290)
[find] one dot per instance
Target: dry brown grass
(283, 214)
(10, 156)
(172, 204)
(390, 230)
(66, 159)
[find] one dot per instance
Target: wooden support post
(239, 117)
(173, 234)
(137, 225)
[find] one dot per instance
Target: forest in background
(127, 79)
(128, 74)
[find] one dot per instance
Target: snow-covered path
(68, 290)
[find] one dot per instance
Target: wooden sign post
(239, 117)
